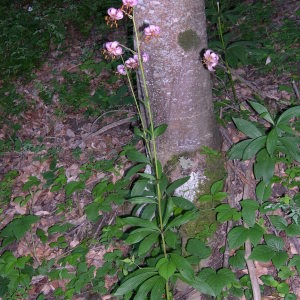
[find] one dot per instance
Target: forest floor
(55, 145)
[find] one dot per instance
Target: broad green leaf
(134, 281)
(183, 203)
(176, 184)
(32, 181)
(249, 211)
(237, 261)
(279, 259)
(219, 196)
(278, 222)
(288, 114)
(237, 150)
(92, 211)
(262, 253)
(198, 248)
(166, 268)
(272, 139)
(276, 243)
(217, 187)
(159, 130)
(285, 272)
(248, 128)
(237, 236)
(293, 230)
(146, 287)
(262, 111)
(139, 222)
(253, 147)
(255, 234)
(295, 261)
(18, 227)
(182, 219)
(226, 213)
(137, 156)
(205, 198)
(142, 200)
(263, 191)
(268, 280)
(283, 288)
(147, 243)
(73, 186)
(290, 297)
(215, 282)
(183, 266)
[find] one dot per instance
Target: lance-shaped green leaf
(146, 287)
(138, 235)
(138, 222)
(182, 219)
(135, 169)
(264, 166)
(290, 146)
(182, 203)
(288, 114)
(237, 151)
(158, 289)
(247, 127)
(263, 191)
(253, 147)
(142, 200)
(147, 243)
(134, 280)
(137, 156)
(272, 140)
(159, 130)
(262, 111)
(176, 184)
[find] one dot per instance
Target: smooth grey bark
(179, 86)
(180, 94)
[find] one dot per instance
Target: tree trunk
(180, 94)
(179, 86)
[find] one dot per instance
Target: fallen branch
(250, 263)
(109, 127)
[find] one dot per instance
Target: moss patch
(188, 40)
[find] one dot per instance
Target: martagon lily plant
(169, 212)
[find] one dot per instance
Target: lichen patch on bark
(188, 40)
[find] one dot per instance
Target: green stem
(152, 148)
(225, 55)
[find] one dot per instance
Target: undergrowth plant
(146, 256)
